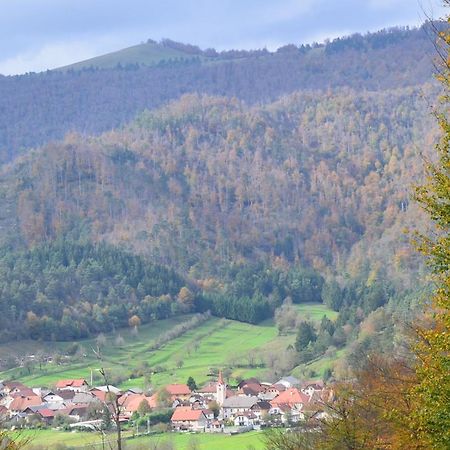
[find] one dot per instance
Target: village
(216, 407)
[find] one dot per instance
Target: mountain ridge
(38, 108)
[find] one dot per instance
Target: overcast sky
(37, 35)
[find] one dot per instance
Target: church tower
(221, 389)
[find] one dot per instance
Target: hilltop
(38, 108)
(148, 54)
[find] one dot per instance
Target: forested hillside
(70, 289)
(290, 184)
(320, 179)
(37, 108)
(251, 205)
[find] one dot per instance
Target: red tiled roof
(22, 403)
(291, 396)
(70, 383)
(131, 402)
(178, 389)
(185, 414)
(46, 413)
(101, 395)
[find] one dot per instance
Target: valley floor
(49, 439)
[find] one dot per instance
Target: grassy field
(216, 343)
(315, 311)
(48, 439)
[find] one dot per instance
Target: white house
(237, 404)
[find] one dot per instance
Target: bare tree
(111, 402)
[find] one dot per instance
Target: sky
(37, 35)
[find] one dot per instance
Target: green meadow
(215, 343)
(48, 439)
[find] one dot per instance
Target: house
(198, 402)
(209, 390)
(245, 419)
(248, 381)
(130, 403)
(103, 394)
(84, 397)
(108, 388)
(79, 385)
(11, 387)
(185, 418)
(208, 414)
(312, 387)
(48, 396)
(178, 391)
(134, 391)
(77, 412)
(21, 403)
(67, 396)
(237, 404)
(291, 397)
(272, 391)
(251, 389)
(286, 414)
(289, 382)
(53, 406)
(46, 415)
(261, 409)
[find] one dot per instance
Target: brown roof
(22, 403)
(14, 384)
(66, 395)
(262, 405)
(80, 408)
(178, 389)
(185, 414)
(70, 383)
(252, 389)
(25, 392)
(209, 388)
(316, 385)
(248, 381)
(278, 387)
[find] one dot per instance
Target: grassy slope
(220, 343)
(146, 54)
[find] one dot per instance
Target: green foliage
(253, 291)
(144, 408)
(191, 384)
(431, 415)
(69, 290)
(305, 335)
(332, 295)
